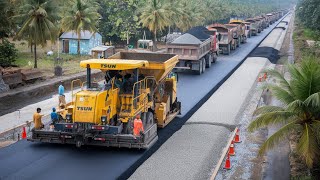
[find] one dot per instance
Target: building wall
(95, 41)
(85, 45)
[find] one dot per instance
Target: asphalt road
(26, 160)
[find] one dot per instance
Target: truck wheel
(214, 57)
(228, 49)
(203, 65)
(78, 144)
(199, 71)
(208, 60)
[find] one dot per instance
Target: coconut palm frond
(281, 94)
(308, 146)
(277, 137)
(267, 109)
(280, 77)
(313, 100)
(270, 118)
(296, 106)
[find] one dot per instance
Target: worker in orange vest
(137, 126)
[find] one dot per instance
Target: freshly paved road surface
(25, 160)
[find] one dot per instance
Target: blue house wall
(85, 44)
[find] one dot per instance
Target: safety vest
(137, 127)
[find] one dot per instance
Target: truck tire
(203, 65)
(228, 49)
(199, 71)
(208, 60)
(214, 57)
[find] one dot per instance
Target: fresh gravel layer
(225, 103)
(189, 154)
(187, 39)
(199, 32)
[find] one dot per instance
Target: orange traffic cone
(265, 76)
(228, 164)
(237, 137)
(24, 133)
(231, 149)
(259, 79)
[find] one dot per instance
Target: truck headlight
(69, 117)
(103, 119)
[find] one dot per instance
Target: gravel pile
(199, 32)
(187, 39)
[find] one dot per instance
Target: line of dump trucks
(142, 86)
(200, 46)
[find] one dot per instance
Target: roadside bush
(8, 53)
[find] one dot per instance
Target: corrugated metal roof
(73, 35)
(101, 48)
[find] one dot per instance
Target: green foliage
(39, 18)
(118, 19)
(308, 12)
(8, 53)
(300, 97)
(80, 15)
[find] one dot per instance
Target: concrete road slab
(189, 154)
(224, 105)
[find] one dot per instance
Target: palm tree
(38, 26)
(155, 16)
(81, 15)
(300, 112)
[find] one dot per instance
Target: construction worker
(62, 98)
(137, 126)
(37, 119)
(54, 116)
(62, 112)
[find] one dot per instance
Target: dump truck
(254, 26)
(103, 115)
(272, 18)
(194, 53)
(235, 35)
(226, 41)
(244, 29)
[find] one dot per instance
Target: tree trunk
(155, 41)
(31, 48)
(78, 47)
(35, 56)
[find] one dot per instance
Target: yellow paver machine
(103, 114)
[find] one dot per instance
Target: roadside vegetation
(299, 93)
(120, 22)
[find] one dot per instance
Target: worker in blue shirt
(54, 116)
(62, 98)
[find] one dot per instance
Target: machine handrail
(72, 82)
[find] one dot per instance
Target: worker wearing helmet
(137, 126)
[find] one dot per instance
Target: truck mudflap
(145, 141)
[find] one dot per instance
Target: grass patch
(70, 63)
